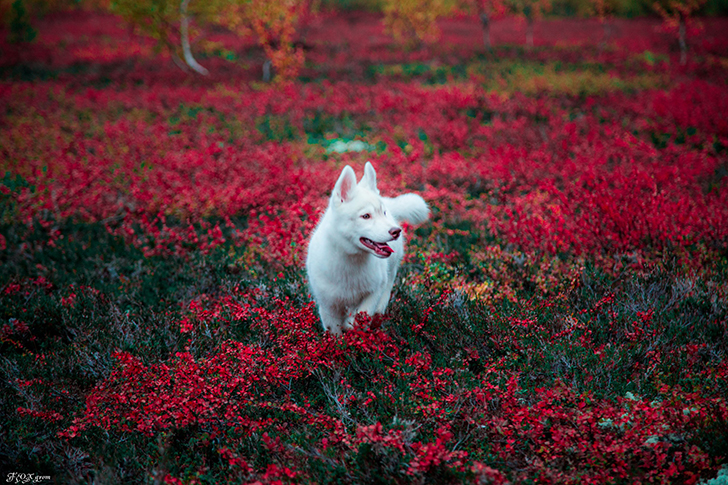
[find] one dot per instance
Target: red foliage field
(562, 318)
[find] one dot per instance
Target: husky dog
(356, 248)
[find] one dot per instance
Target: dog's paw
(348, 323)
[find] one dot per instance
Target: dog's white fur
(356, 248)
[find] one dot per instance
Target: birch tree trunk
(185, 34)
(267, 70)
(485, 21)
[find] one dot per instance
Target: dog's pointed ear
(370, 177)
(344, 186)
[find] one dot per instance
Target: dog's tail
(408, 207)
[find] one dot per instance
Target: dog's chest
(358, 281)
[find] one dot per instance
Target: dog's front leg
(384, 296)
(369, 303)
(386, 291)
(334, 319)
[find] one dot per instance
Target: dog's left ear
(370, 177)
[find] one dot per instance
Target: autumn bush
(561, 319)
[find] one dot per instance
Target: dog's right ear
(344, 186)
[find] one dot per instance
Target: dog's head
(360, 214)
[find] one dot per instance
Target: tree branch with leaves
(274, 24)
(413, 22)
(677, 15)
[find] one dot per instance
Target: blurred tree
(185, 35)
(20, 28)
(677, 14)
(168, 21)
(18, 16)
(414, 21)
(487, 10)
(531, 10)
(604, 11)
(274, 23)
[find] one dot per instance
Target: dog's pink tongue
(383, 248)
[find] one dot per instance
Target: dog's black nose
(394, 232)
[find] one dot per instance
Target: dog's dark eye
(365, 216)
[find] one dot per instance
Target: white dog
(356, 248)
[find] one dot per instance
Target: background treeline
(623, 8)
(566, 8)
(280, 26)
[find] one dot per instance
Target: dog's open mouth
(380, 249)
